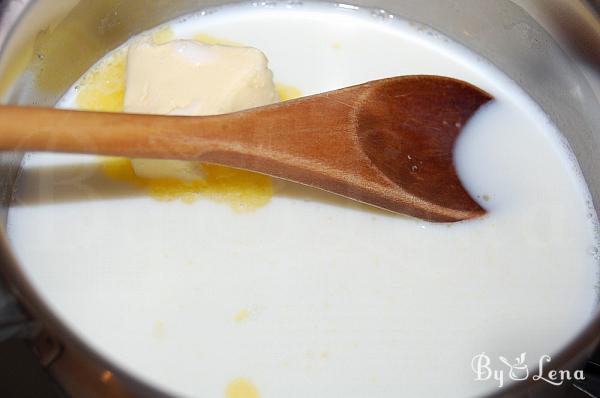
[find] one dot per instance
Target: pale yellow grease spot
(159, 329)
(162, 34)
(287, 93)
(208, 39)
(241, 388)
(103, 88)
(242, 315)
(336, 45)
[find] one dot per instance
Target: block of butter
(185, 77)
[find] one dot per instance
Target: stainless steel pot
(47, 45)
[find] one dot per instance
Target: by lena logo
(517, 370)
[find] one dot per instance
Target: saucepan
(502, 31)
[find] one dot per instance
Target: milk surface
(312, 295)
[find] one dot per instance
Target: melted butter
(243, 191)
(163, 189)
(103, 89)
(162, 35)
(241, 388)
(287, 93)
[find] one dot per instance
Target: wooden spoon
(387, 143)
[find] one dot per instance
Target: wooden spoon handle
(181, 137)
(300, 140)
(47, 129)
(296, 135)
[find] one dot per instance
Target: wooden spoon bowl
(409, 136)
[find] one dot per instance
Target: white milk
(312, 296)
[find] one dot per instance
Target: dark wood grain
(388, 143)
